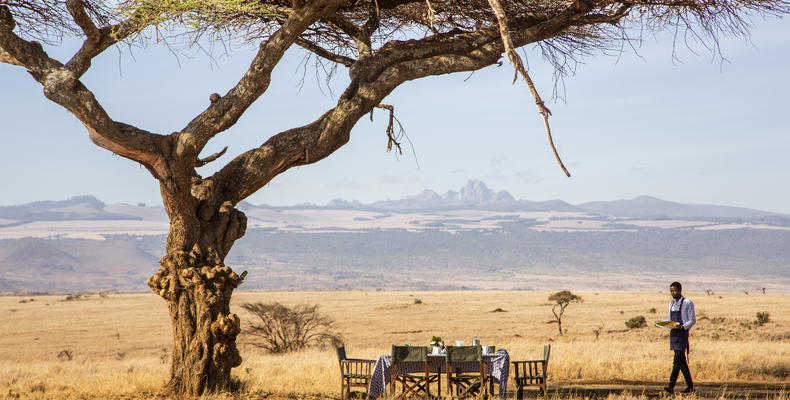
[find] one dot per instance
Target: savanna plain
(118, 345)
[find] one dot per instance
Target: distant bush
(652, 310)
(762, 318)
(66, 355)
(284, 329)
(417, 301)
(636, 322)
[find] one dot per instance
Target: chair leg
(520, 392)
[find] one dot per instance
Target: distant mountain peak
(474, 193)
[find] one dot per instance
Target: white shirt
(686, 312)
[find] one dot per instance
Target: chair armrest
(530, 361)
(356, 366)
(360, 360)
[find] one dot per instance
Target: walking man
(681, 310)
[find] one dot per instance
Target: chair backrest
(464, 354)
(341, 353)
(409, 353)
(546, 352)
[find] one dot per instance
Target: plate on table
(667, 324)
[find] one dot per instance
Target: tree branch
(361, 36)
(203, 161)
(63, 87)
(322, 52)
(223, 113)
(77, 10)
(7, 59)
(97, 40)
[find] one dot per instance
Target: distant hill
(75, 208)
(654, 208)
(32, 264)
(476, 194)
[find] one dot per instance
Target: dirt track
(730, 390)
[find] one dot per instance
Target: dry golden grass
(120, 343)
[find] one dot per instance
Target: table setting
(497, 364)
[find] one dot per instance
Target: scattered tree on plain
(561, 301)
(379, 43)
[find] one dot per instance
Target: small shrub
(636, 322)
(164, 356)
(66, 355)
(417, 301)
(762, 318)
(653, 310)
(597, 331)
(285, 329)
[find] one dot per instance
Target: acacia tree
(562, 300)
(380, 43)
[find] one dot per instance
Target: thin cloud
(499, 159)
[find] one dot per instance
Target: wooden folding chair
(466, 371)
(531, 373)
(412, 383)
(354, 372)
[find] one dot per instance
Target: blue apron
(678, 338)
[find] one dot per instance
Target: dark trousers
(679, 364)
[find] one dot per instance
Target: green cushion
(464, 354)
(341, 353)
(409, 353)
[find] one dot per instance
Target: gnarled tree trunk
(197, 287)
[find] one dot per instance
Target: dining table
(497, 365)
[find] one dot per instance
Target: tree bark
(197, 287)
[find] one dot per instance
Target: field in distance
(118, 345)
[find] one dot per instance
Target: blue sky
(697, 130)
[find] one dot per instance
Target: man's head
(674, 289)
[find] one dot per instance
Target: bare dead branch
(518, 65)
(392, 138)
